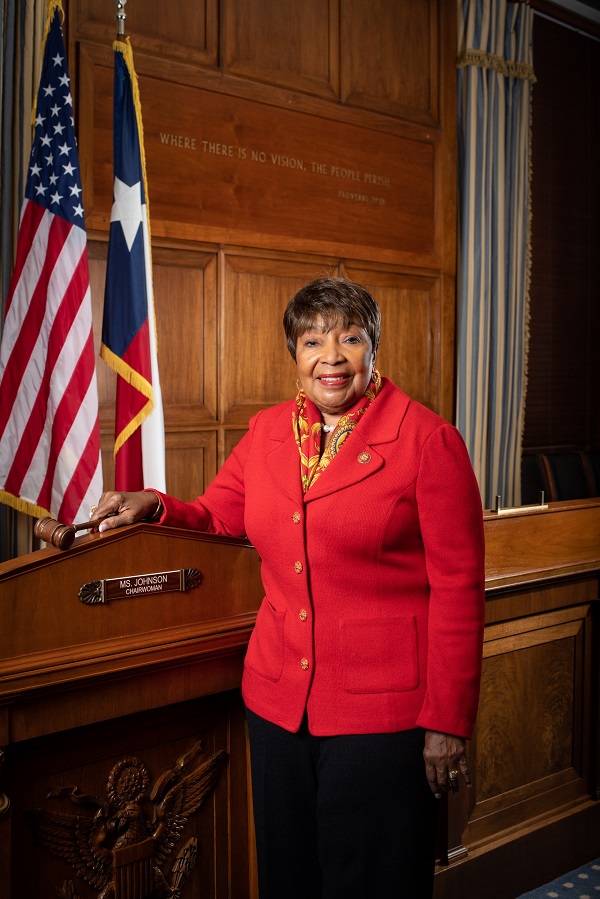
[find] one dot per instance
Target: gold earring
(298, 384)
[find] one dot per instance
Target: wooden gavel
(60, 535)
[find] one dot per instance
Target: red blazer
(374, 579)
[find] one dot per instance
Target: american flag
(128, 329)
(49, 428)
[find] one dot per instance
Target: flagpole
(128, 296)
(120, 16)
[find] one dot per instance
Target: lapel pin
(363, 458)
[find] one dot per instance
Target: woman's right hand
(115, 510)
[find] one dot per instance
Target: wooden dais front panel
(81, 768)
(534, 754)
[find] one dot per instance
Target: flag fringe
(23, 505)
(51, 7)
(132, 426)
(136, 380)
(128, 374)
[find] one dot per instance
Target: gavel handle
(85, 525)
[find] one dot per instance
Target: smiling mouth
(333, 380)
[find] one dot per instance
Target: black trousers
(348, 817)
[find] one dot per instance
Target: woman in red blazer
(361, 678)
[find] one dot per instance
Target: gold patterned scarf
(307, 425)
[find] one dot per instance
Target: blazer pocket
(265, 648)
(380, 655)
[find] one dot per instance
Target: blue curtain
(495, 76)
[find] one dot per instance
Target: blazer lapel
(356, 461)
(358, 458)
(282, 457)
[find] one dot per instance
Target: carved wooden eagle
(148, 823)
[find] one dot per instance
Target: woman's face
(335, 366)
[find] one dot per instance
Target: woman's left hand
(445, 760)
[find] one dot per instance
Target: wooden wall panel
(185, 285)
(293, 46)
(374, 37)
(190, 33)
(227, 169)
(192, 462)
(256, 369)
(290, 140)
(409, 352)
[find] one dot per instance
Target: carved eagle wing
(76, 839)
(180, 801)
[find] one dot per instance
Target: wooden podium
(124, 762)
(120, 663)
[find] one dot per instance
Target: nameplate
(102, 592)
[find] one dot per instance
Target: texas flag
(128, 330)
